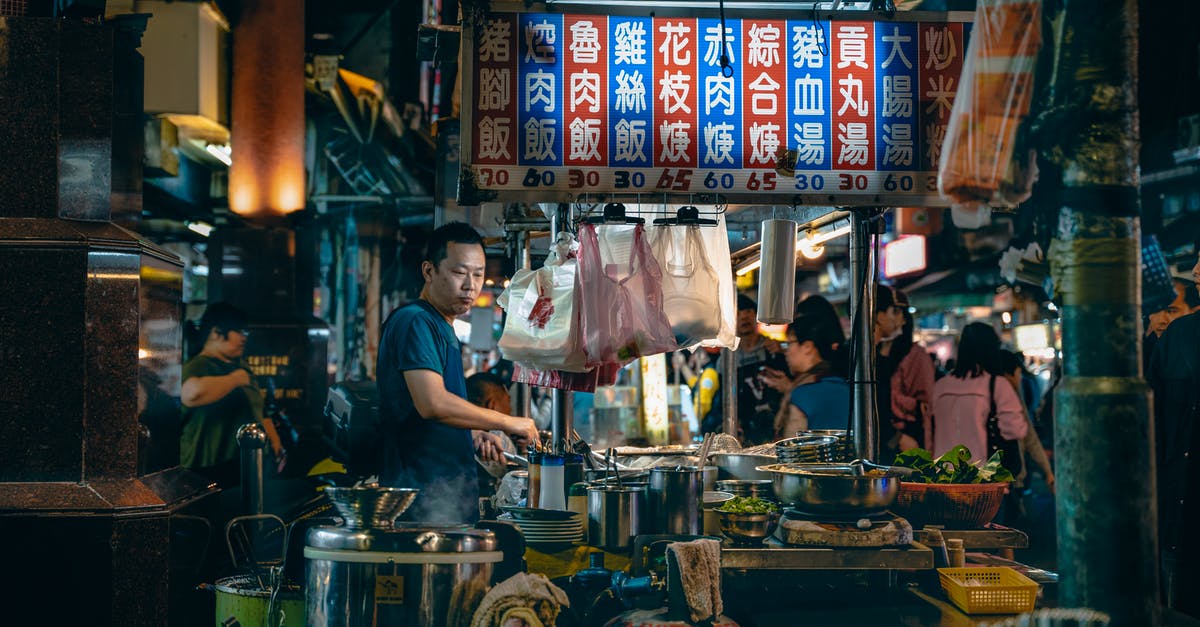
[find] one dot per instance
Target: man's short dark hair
(224, 318)
(446, 234)
(480, 386)
(745, 302)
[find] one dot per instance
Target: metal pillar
(729, 392)
(523, 397)
(865, 415)
(1107, 548)
(562, 426)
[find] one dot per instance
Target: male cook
(431, 432)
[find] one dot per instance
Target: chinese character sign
(596, 103)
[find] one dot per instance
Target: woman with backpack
(976, 407)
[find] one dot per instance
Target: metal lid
(404, 538)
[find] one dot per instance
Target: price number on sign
(534, 178)
(904, 183)
(676, 180)
(577, 178)
(805, 182)
(488, 176)
(852, 181)
(766, 182)
(623, 179)
(712, 181)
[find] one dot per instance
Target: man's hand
(488, 446)
(523, 431)
(771, 345)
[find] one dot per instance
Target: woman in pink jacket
(962, 400)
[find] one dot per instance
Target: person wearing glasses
(218, 397)
(822, 398)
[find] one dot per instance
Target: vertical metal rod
(523, 397)
(252, 439)
(729, 392)
(561, 401)
(865, 421)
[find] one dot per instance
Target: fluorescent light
(222, 152)
(203, 228)
(811, 246)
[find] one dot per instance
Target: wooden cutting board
(890, 532)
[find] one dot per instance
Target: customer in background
(487, 390)
(756, 402)
(1174, 375)
(971, 408)
(821, 399)
(906, 400)
(699, 370)
(1012, 366)
(1158, 321)
(218, 397)
(431, 433)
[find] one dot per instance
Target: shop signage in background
(820, 111)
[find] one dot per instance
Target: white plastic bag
(691, 289)
(716, 247)
(541, 329)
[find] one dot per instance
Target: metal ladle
(859, 468)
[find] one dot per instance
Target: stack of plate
(845, 447)
(808, 449)
(546, 527)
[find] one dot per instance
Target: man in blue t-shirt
(431, 432)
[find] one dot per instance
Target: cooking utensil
(516, 458)
(761, 488)
(832, 489)
(860, 467)
(675, 499)
(743, 528)
(370, 506)
(705, 445)
(615, 516)
(741, 465)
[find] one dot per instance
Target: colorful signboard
(825, 111)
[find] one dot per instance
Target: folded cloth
(534, 593)
(699, 563)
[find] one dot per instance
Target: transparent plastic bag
(620, 296)
(716, 246)
(604, 374)
(541, 329)
(691, 290)
(977, 165)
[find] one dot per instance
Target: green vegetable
(747, 505)
(953, 467)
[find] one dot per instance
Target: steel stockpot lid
(415, 538)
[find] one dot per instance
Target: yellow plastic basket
(993, 590)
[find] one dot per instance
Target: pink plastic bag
(620, 296)
(605, 374)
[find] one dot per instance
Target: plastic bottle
(553, 491)
(535, 479)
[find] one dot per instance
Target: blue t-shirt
(421, 453)
(826, 403)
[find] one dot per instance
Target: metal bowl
(760, 488)
(740, 465)
(747, 528)
(833, 489)
(369, 506)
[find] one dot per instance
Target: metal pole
(523, 398)
(252, 439)
(729, 392)
(865, 416)
(561, 401)
(1107, 518)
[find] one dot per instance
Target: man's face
(232, 345)
(1160, 320)
(747, 322)
(454, 284)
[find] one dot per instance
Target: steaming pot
(402, 576)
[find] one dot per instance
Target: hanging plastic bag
(716, 246)
(691, 289)
(620, 296)
(541, 329)
(976, 167)
(604, 374)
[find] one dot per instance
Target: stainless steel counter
(775, 556)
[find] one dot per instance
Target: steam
(446, 500)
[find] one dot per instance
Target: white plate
(536, 536)
(551, 527)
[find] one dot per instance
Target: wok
(833, 489)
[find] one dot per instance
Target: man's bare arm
(201, 391)
(434, 402)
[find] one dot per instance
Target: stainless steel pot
(406, 576)
(615, 516)
(675, 497)
(833, 489)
